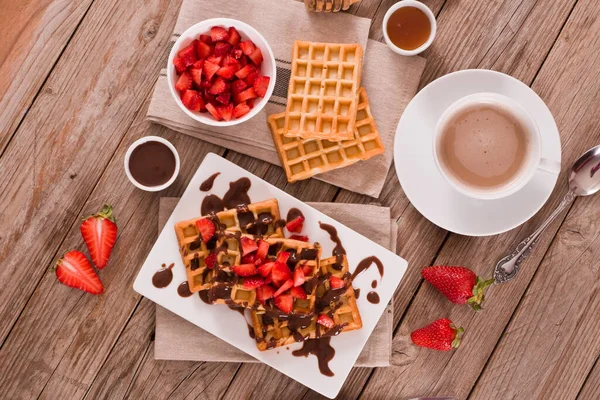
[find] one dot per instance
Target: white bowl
(143, 140)
(420, 6)
(247, 32)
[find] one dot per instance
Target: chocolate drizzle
(208, 183)
(184, 289)
(204, 296)
(211, 204)
(321, 348)
(163, 277)
(293, 214)
(366, 263)
(237, 195)
(373, 297)
(374, 284)
(357, 293)
(338, 251)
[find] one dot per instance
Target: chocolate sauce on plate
(208, 183)
(211, 204)
(204, 296)
(152, 163)
(237, 195)
(163, 277)
(293, 214)
(321, 348)
(338, 251)
(184, 289)
(357, 293)
(374, 284)
(373, 297)
(366, 263)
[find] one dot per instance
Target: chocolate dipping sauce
(373, 297)
(152, 163)
(366, 263)
(209, 182)
(163, 277)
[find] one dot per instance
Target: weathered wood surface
(74, 80)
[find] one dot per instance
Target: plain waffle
(323, 91)
(304, 158)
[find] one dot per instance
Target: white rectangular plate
(229, 326)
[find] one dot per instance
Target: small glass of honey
(409, 27)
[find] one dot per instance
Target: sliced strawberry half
(261, 84)
(241, 109)
(264, 293)
(210, 69)
(301, 238)
(295, 225)
(211, 260)
(326, 321)
(75, 270)
(298, 293)
(226, 112)
(245, 269)
(263, 247)
(247, 47)
(248, 245)
(299, 277)
(265, 269)
(218, 33)
(280, 273)
(99, 232)
(284, 302)
(336, 283)
(206, 228)
(286, 286)
(184, 82)
(253, 282)
(234, 36)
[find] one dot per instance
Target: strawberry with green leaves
(440, 335)
(99, 232)
(459, 284)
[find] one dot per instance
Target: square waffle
(275, 330)
(322, 94)
(227, 288)
(304, 158)
(256, 218)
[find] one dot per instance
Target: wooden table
(75, 79)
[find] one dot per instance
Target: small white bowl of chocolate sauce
(152, 163)
(409, 27)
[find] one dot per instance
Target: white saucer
(425, 187)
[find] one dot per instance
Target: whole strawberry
(440, 335)
(100, 233)
(459, 284)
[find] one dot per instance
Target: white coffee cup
(533, 156)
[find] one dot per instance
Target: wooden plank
(591, 388)
(429, 373)
(34, 33)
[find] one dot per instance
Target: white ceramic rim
(178, 45)
(516, 110)
(147, 139)
(420, 6)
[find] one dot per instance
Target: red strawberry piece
(296, 224)
(439, 335)
(215, 60)
(244, 72)
(247, 47)
(226, 112)
(283, 257)
(256, 57)
(198, 64)
(268, 279)
(250, 103)
(206, 84)
(206, 39)
(234, 36)
(224, 98)
(307, 269)
(232, 62)
(299, 277)
(222, 49)
(99, 232)
(248, 245)
(459, 284)
(196, 74)
(179, 65)
(253, 282)
(218, 33)
(191, 100)
(74, 270)
(301, 238)
(251, 78)
(298, 293)
(336, 283)
(249, 259)
(265, 269)
(240, 110)
(184, 82)
(236, 53)
(210, 69)
(286, 285)
(245, 95)
(188, 54)
(203, 50)
(285, 303)
(263, 247)
(245, 269)
(326, 321)
(218, 86)
(211, 260)
(280, 273)
(238, 86)
(264, 293)
(261, 84)
(213, 111)
(206, 228)
(226, 72)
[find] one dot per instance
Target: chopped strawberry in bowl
(221, 72)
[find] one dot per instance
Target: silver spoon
(584, 180)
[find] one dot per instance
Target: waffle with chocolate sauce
(259, 219)
(272, 328)
(228, 288)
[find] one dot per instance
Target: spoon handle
(508, 267)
